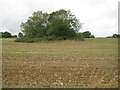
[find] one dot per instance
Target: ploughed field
(92, 63)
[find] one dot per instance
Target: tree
(109, 37)
(115, 35)
(79, 36)
(118, 35)
(20, 35)
(92, 36)
(86, 34)
(6, 35)
(63, 23)
(36, 25)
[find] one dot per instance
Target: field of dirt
(92, 63)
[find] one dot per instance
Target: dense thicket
(59, 25)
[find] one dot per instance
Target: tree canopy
(36, 25)
(63, 23)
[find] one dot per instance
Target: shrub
(51, 38)
(60, 38)
(92, 36)
(79, 36)
(28, 40)
(20, 35)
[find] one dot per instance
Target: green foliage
(114, 36)
(63, 24)
(86, 34)
(51, 38)
(118, 35)
(109, 37)
(59, 25)
(1, 34)
(79, 36)
(92, 36)
(32, 40)
(20, 35)
(5, 35)
(28, 40)
(36, 25)
(14, 36)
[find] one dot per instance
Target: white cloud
(99, 16)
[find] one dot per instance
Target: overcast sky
(100, 17)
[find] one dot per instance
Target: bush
(92, 36)
(54, 38)
(20, 35)
(79, 36)
(49, 38)
(60, 38)
(14, 36)
(28, 40)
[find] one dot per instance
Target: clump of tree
(114, 36)
(7, 35)
(87, 34)
(58, 25)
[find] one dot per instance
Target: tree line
(58, 25)
(86, 34)
(114, 36)
(7, 35)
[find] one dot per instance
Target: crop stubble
(92, 63)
